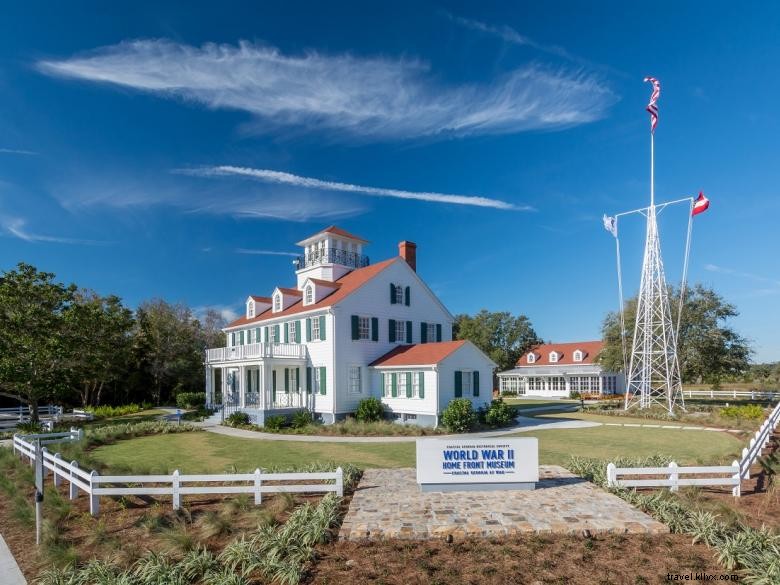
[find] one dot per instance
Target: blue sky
(166, 150)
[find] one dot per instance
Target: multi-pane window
(431, 333)
(364, 327)
(399, 294)
(553, 357)
(577, 356)
(272, 334)
(402, 378)
(416, 384)
(293, 374)
(400, 331)
(388, 385)
(250, 309)
(277, 303)
(466, 383)
(315, 329)
(354, 380)
(309, 295)
(317, 380)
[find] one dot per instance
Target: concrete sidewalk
(9, 570)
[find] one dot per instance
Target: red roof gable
(590, 350)
(421, 354)
(347, 284)
(332, 229)
(260, 299)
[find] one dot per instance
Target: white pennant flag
(610, 224)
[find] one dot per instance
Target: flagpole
(652, 168)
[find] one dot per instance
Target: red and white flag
(652, 107)
(700, 204)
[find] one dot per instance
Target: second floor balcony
(332, 256)
(256, 351)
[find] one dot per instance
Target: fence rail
(752, 394)
(760, 440)
(174, 485)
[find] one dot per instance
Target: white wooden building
(557, 369)
(335, 337)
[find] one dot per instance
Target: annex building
(346, 330)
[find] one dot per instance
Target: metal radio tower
(654, 371)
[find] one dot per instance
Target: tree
(708, 348)
(99, 327)
(169, 348)
(33, 352)
(502, 336)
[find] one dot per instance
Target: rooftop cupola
(329, 255)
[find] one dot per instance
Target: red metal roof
(332, 229)
(589, 349)
(290, 291)
(421, 354)
(260, 299)
(347, 284)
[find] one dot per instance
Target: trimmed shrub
(112, 411)
(274, 422)
(190, 399)
(301, 419)
(237, 419)
(499, 414)
(370, 410)
(459, 416)
(749, 411)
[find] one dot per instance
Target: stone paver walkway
(389, 504)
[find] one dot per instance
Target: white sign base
(477, 464)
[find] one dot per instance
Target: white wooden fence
(175, 485)
(751, 394)
(724, 475)
(11, 417)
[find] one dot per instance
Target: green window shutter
(458, 384)
(409, 384)
(422, 384)
(297, 380)
(407, 295)
(297, 332)
(438, 331)
(355, 327)
(391, 330)
(408, 332)
(266, 334)
(374, 329)
(258, 337)
(308, 329)
(392, 293)
(423, 333)
(384, 384)
(287, 333)
(276, 333)
(322, 328)
(273, 381)
(287, 379)
(323, 383)
(476, 383)
(308, 380)
(394, 385)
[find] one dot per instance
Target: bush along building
(347, 330)
(560, 369)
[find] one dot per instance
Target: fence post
(74, 489)
(674, 477)
(737, 491)
(94, 499)
(176, 494)
(611, 475)
(258, 483)
(745, 462)
(55, 471)
(340, 482)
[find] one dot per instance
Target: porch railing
(256, 350)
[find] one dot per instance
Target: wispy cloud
(16, 227)
(279, 177)
(264, 252)
(227, 312)
(771, 286)
(17, 151)
(367, 97)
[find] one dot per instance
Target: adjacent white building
(557, 369)
(347, 330)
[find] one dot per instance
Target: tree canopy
(502, 336)
(708, 347)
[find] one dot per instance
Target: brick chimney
(408, 251)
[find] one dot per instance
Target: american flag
(652, 107)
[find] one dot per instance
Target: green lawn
(211, 453)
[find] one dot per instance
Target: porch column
(242, 386)
(209, 387)
(567, 384)
(601, 384)
(223, 377)
(261, 376)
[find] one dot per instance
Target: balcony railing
(256, 351)
(332, 256)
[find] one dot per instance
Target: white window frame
(400, 331)
(277, 303)
(250, 310)
(387, 389)
(531, 358)
(577, 356)
(293, 380)
(416, 383)
(431, 333)
(355, 382)
(466, 376)
(272, 334)
(553, 357)
(308, 297)
(364, 328)
(315, 329)
(316, 380)
(398, 291)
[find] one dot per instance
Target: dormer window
(250, 310)
(553, 357)
(277, 303)
(531, 358)
(308, 298)
(577, 356)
